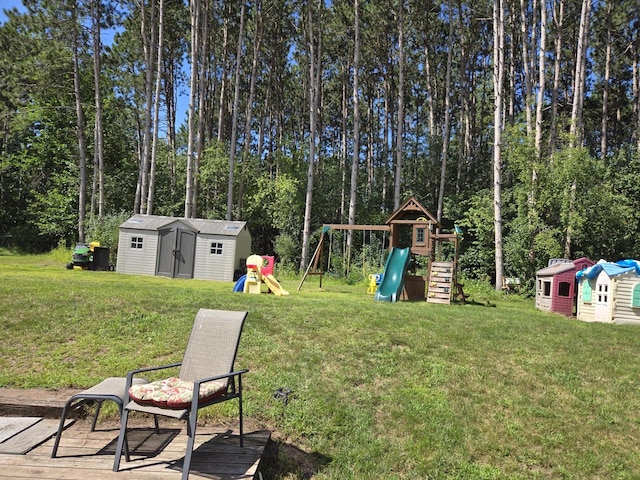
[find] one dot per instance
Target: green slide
(394, 271)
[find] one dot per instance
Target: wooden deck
(86, 455)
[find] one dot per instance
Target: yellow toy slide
(273, 285)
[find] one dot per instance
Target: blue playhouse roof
(612, 269)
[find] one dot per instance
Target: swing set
(440, 282)
(315, 266)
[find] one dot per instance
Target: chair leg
(54, 452)
(240, 410)
(122, 439)
(191, 432)
(95, 416)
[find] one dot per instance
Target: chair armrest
(219, 377)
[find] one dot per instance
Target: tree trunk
(257, 43)
(526, 71)
(355, 160)
(99, 144)
(234, 121)
(605, 86)
(223, 76)
(156, 110)
(149, 42)
(498, 75)
(82, 144)
(201, 130)
(195, 21)
(541, 83)
(314, 55)
(447, 118)
(398, 176)
(577, 124)
(559, 26)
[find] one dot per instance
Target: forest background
(518, 121)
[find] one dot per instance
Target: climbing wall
(440, 282)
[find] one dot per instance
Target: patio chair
(206, 377)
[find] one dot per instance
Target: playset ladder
(441, 278)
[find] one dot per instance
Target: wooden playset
(439, 285)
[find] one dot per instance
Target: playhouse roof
(201, 225)
(612, 269)
(560, 267)
(411, 209)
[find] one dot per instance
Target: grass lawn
(489, 390)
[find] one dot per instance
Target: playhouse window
(564, 289)
(602, 294)
(216, 248)
(547, 289)
(420, 237)
(635, 297)
(136, 242)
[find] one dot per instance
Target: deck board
(83, 455)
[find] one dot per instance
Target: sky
(9, 4)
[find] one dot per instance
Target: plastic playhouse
(259, 272)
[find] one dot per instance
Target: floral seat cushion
(174, 393)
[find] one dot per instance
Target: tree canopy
(308, 112)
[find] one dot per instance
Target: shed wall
(139, 261)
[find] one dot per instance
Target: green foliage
(106, 230)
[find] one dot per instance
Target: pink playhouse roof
(561, 267)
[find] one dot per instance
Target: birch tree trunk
(524, 30)
(223, 76)
(314, 55)
(558, 15)
(541, 83)
(398, 176)
(234, 121)
(98, 155)
(605, 86)
(156, 110)
(195, 20)
(577, 124)
(82, 144)
(355, 160)
(447, 118)
(149, 41)
(498, 79)
(257, 43)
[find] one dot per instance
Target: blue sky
(8, 4)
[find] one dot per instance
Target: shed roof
(201, 225)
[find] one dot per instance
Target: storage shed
(183, 247)
(610, 293)
(556, 289)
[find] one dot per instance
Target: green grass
(489, 390)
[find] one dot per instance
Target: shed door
(176, 252)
